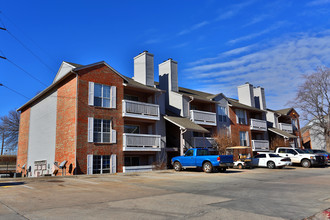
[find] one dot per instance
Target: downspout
(76, 139)
(182, 131)
(191, 99)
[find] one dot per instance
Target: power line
(28, 49)
(29, 74)
(28, 37)
(13, 91)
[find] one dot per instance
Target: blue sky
(218, 44)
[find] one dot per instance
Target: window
(190, 153)
(132, 129)
(132, 161)
(100, 131)
(273, 155)
(282, 151)
(202, 152)
(222, 112)
(241, 116)
(102, 95)
(101, 164)
(243, 137)
(260, 156)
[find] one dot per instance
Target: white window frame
(246, 136)
(112, 95)
(241, 112)
(222, 116)
(90, 135)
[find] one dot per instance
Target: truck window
(282, 151)
(260, 156)
(202, 152)
(291, 151)
(190, 153)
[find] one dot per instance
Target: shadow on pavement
(11, 183)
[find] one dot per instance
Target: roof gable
(64, 69)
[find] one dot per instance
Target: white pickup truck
(299, 156)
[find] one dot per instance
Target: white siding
(64, 69)
(42, 134)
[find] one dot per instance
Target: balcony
(141, 142)
(204, 142)
(285, 127)
(143, 110)
(203, 118)
(260, 145)
(258, 125)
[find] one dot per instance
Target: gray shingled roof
(185, 123)
(237, 104)
(282, 133)
(284, 111)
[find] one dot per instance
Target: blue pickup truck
(199, 157)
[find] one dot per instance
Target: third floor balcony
(143, 110)
(203, 118)
(259, 125)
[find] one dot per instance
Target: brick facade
(23, 141)
(66, 124)
(103, 75)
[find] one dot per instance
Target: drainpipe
(76, 139)
(182, 131)
(191, 99)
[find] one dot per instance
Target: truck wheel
(240, 166)
(271, 165)
(207, 167)
(222, 169)
(177, 166)
(305, 163)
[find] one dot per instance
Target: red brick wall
(66, 124)
(236, 128)
(23, 140)
(102, 75)
(306, 137)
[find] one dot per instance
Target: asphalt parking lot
(289, 193)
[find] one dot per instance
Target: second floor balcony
(141, 142)
(259, 125)
(143, 110)
(285, 127)
(203, 118)
(260, 145)
(204, 142)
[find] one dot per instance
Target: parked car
(270, 160)
(199, 157)
(299, 156)
(322, 152)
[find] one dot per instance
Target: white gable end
(64, 69)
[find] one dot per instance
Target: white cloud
(277, 68)
(318, 2)
(233, 10)
(194, 27)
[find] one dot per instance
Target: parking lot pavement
(289, 193)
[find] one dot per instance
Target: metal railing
(204, 118)
(257, 124)
(141, 142)
(140, 110)
(285, 127)
(204, 142)
(260, 145)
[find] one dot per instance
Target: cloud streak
(277, 68)
(193, 28)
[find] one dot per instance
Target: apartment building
(92, 119)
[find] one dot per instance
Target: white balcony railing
(140, 110)
(203, 118)
(141, 142)
(204, 142)
(285, 127)
(144, 168)
(256, 124)
(260, 145)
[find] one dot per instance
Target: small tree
(223, 140)
(313, 98)
(9, 127)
